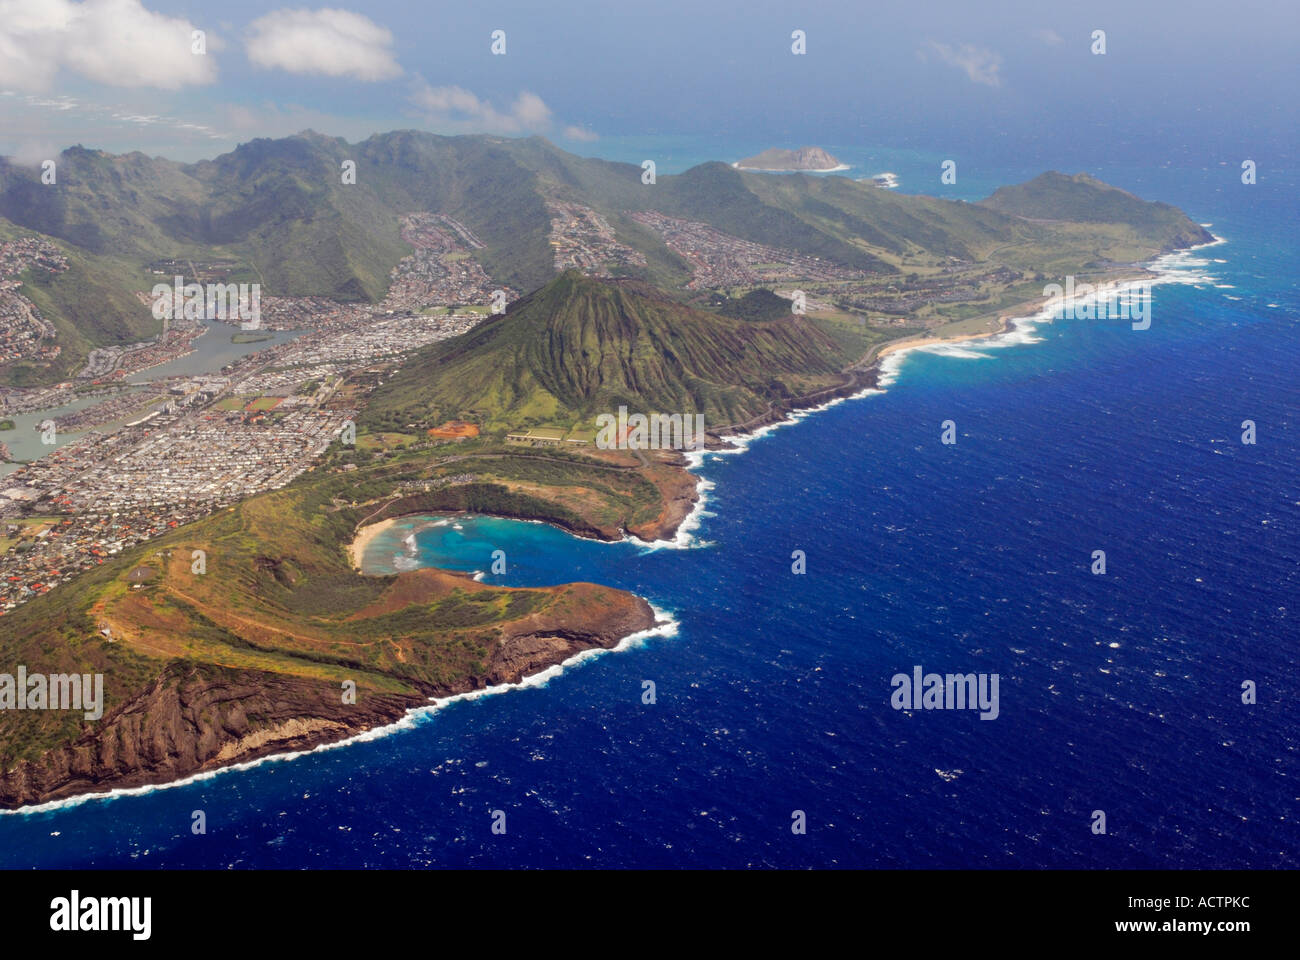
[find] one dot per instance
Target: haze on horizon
(1177, 77)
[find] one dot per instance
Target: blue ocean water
(1119, 693)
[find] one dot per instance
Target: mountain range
(282, 211)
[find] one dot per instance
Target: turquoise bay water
(536, 554)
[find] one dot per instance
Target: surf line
(666, 625)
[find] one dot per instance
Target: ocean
(1119, 693)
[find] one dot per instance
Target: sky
(1182, 76)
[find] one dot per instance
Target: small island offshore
(803, 160)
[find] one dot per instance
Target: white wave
(1180, 267)
(958, 351)
(887, 180)
(684, 538)
(1183, 266)
(666, 625)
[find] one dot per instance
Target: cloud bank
(118, 43)
(331, 43)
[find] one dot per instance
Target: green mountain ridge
(281, 208)
(1081, 198)
(578, 347)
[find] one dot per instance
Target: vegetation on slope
(580, 347)
(277, 597)
(281, 208)
(1084, 199)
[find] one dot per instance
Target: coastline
(912, 343)
(862, 379)
(863, 375)
(665, 625)
(292, 716)
(868, 375)
(1037, 310)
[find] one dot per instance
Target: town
(24, 333)
(152, 454)
(174, 449)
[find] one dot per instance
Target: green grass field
(29, 525)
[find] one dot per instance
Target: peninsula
(206, 558)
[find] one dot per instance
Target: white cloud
(980, 64)
(456, 105)
(1049, 37)
(530, 112)
(335, 43)
(114, 42)
(580, 134)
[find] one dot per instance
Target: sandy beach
(913, 342)
(1026, 310)
(357, 548)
